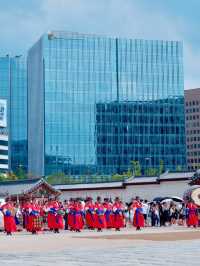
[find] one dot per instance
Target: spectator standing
(145, 210)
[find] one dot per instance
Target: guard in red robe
(25, 212)
(50, 216)
(34, 218)
(75, 216)
(138, 219)
(9, 218)
(109, 216)
(100, 221)
(118, 219)
(58, 213)
(78, 216)
(71, 214)
(89, 214)
(191, 215)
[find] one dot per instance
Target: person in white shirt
(145, 210)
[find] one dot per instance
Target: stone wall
(146, 191)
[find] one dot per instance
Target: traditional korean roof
(133, 181)
(142, 180)
(90, 186)
(22, 187)
(176, 175)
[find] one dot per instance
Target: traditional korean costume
(191, 215)
(9, 218)
(118, 220)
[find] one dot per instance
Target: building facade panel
(13, 89)
(18, 113)
(192, 121)
(36, 109)
(3, 150)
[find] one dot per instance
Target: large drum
(193, 193)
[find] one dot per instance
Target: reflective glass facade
(18, 113)
(13, 88)
(4, 77)
(98, 103)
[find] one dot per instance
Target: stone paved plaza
(85, 249)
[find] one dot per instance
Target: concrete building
(192, 122)
(166, 185)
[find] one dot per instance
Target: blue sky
(23, 21)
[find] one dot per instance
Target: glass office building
(97, 103)
(4, 77)
(13, 88)
(18, 113)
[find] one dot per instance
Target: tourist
(131, 210)
(126, 215)
(165, 214)
(154, 212)
(145, 210)
(65, 217)
(18, 217)
(1, 217)
(173, 214)
(182, 215)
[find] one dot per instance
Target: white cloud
(127, 18)
(112, 17)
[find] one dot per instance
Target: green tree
(136, 168)
(151, 172)
(117, 177)
(57, 178)
(2, 177)
(11, 176)
(20, 173)
(128, 173)
(178, 168)
(161, 167)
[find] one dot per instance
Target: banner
(3, 113)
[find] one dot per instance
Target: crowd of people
(78, 214)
